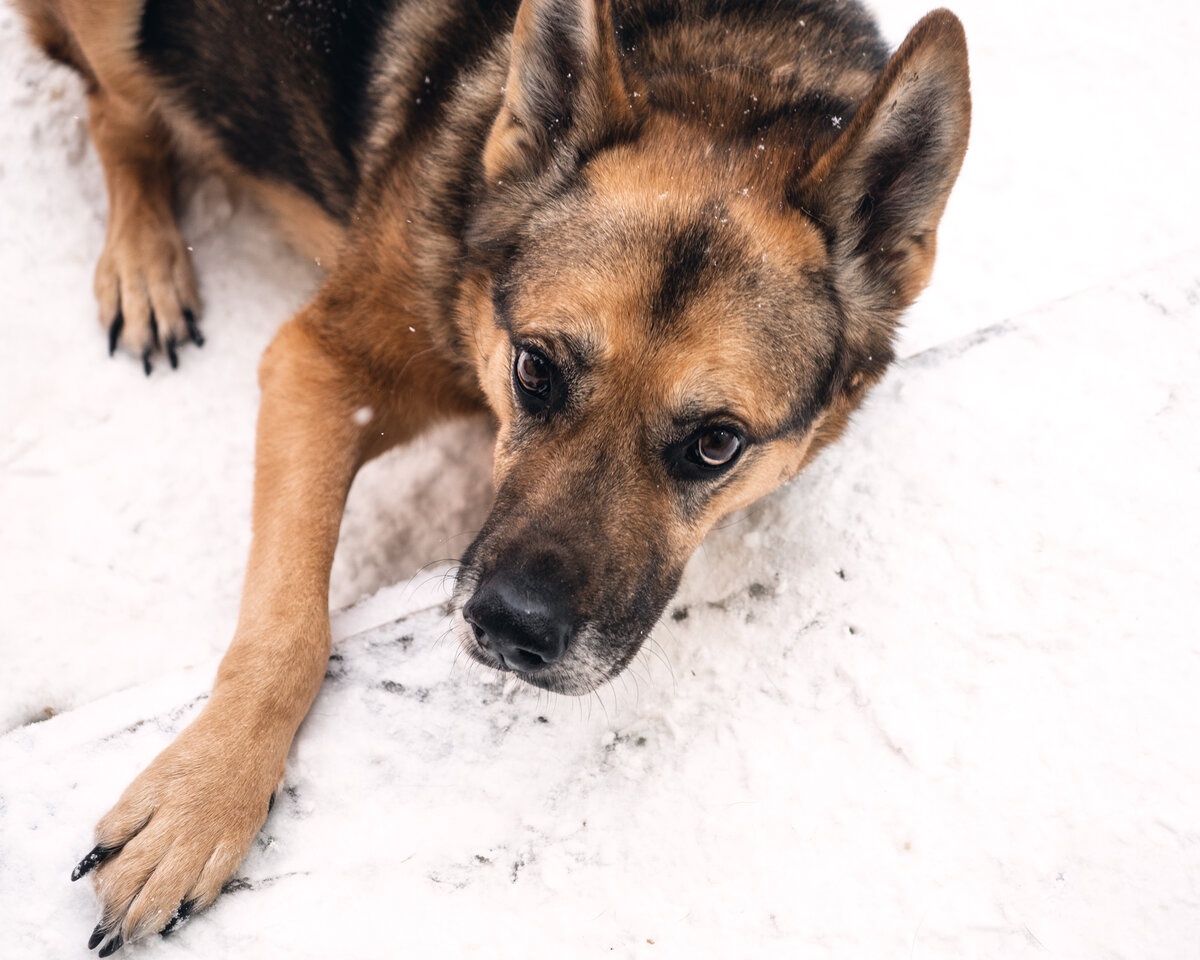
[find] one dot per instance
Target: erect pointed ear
(565, 91)
(880, 190)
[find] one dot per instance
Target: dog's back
(309, 94)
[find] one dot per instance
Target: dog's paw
(146, 290)
(176, 836)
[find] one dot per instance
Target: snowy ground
(935, 699)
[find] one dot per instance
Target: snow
(934, 699)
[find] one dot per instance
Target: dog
(666, 244)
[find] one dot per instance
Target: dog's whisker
(654, 648)
(434, 563)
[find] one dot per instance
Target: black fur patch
(687, 254)
(282, 85)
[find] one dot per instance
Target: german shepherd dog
(665, 243)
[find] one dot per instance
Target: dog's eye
(708, 452)
(534, 375)
(717, 447)
(533, 372)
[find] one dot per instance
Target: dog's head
(676, 304)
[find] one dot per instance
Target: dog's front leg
(184, 825)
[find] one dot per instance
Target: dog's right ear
(565, 91)
(880, 189)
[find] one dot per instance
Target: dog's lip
(551, 680)
(494, 660)
(555, 679)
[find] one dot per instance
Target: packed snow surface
(934, 699)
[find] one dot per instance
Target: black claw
(154, 331)
(172, 356)
(97, 935)
(193, 329)
(98, 855)
(182, 912)
(146, 361)
(111, 947)
(114, 332)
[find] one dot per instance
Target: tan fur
(306, 226)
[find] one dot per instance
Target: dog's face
(668, 329)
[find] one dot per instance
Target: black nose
(521, 621)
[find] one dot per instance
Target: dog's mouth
(575, 674)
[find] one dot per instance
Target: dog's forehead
(693, 285)
(649, 233)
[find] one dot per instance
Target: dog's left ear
(565, 91)
(880, 190)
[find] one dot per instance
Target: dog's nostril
(481, 636)
(527, 660)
